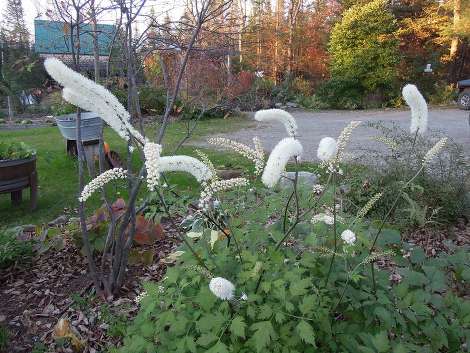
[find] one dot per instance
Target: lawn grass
(58, 185)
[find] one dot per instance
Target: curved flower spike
(278, 115)
(88, 95)
(419, 109)
(280, 155)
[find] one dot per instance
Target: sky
(33, 8)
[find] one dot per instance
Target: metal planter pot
(91, 126)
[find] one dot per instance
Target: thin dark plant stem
(182, 238)
(334, 231)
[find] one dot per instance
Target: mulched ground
(35, 296)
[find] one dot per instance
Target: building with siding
(52, 39)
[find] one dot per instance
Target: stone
(278, 105)
(307, 179)
(292, 105)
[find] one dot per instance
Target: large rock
(307, 179)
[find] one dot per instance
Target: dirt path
(315, 125)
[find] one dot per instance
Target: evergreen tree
(364, 48)
(14, 25)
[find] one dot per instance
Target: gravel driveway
(315, 125)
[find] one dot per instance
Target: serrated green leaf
(300, 287)
(237, 327)
(306, 333)
(380, 342)
(263, 334)
(191, 344)
(307, 305)
(265, 312)
(206, 339)
(218, 348)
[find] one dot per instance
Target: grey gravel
(313, 126)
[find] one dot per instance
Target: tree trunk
(454, 45)
(96, 48)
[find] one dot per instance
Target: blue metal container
(91, 124)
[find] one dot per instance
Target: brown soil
(35, 295)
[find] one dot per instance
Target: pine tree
(14, 24)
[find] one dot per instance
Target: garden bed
(34, 296)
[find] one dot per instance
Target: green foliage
(3, 338)
(290, 305)
(13, 250)
(364, 53)
(57, 105)
(437, 196)
(152, 100)
(260, 95)
(15, 150)
(340, 93)
(443, 94)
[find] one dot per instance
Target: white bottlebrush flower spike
(419, 109)
(280, 155)
(216, 186)
(281, 116)
(222, 288)
(152, 156)
(327, 149)
(186, 164)
(256, 155)
(343, 140)
(100, 181)
(348, 237)
(434, 151)
(88, 95)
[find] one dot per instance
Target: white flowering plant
(267, 268)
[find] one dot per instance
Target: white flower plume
(280, 155)
(256, 155)
(281, 116)
(344, 138)
(222, 288)
(100, 181)
(88, 95)
(186, 164)
(348, 237)
(434, 151)
(327, 149)
(219, 185)
(152, 160)
(419, 109)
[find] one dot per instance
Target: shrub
(57, 105)
(340, 93)
(15, 150)
(364, 49)
(12, 249)
(152, 100)
(437, 196)
(444, 94)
